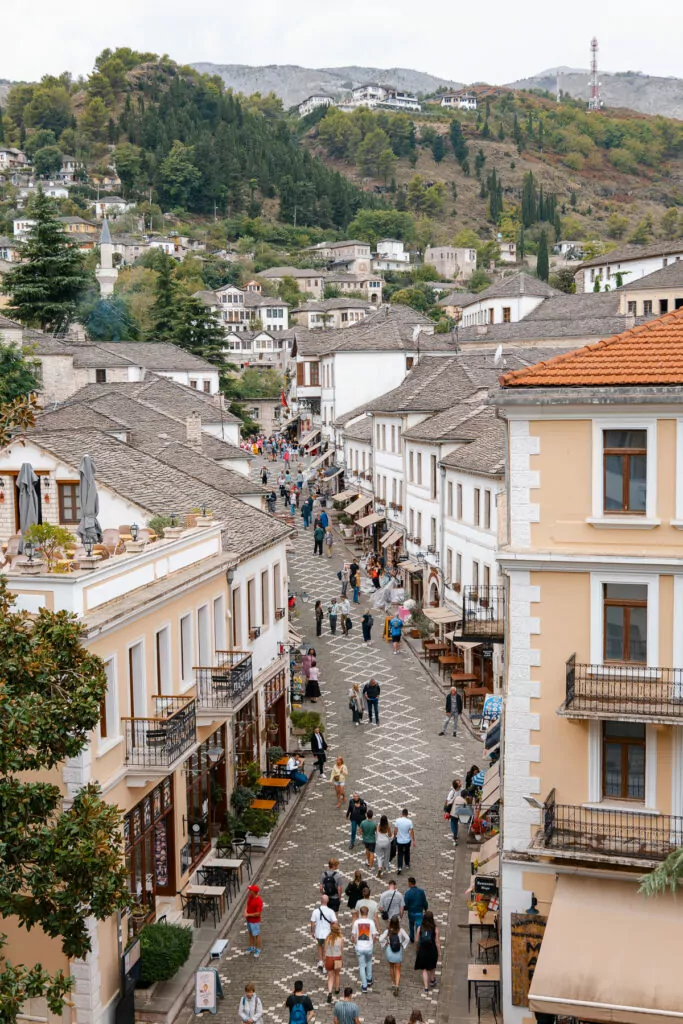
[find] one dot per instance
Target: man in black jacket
(319, 746)
(453, 711)
(355, 813)
(371, 692)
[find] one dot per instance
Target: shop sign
(526, 935)
(207, 989)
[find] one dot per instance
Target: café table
(279, 787)
(263, 805)
(474, 921)
(482, 973)
(213, 892)
(450, 659)
(470, 693)
(233, 864)
(433, 652)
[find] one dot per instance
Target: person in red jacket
(252, 915)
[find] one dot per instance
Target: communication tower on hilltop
(594, 101)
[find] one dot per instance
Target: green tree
(50, 107)
(439, 148)
(669, 224)
(198, 330)
(371, 225)
(260, 383)
(163, 311)
(563, 280)
(433, 199)
(529, 200)
(460, 149)
(416, 192)
(643, 231)
(110, 319)
(19, 374)
(60, 867)
(288, 291)
(386, 165)
(667, 876)
(370, 151)
(542, 260)
(178, 176)
(40, 138)
(478, 281)
(94, 119)
(47, 161)
(617, 225)
(45, 287)
(128, 163)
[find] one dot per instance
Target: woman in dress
(306, 662)
(338, 779)
(428, 950)
(334, 947)
(312, 688)
(382, 845)
(393, 941)
(354, 891)
(356, 704)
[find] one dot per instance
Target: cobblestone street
(401, 763)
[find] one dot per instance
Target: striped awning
(393, 537)
(357, 506)
(370, 520)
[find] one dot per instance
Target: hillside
(292, 83)
(632, 90)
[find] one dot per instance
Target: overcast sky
(496, 41)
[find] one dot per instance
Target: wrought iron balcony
(636, 693)
(224, 685)
(160, 741)
(483, 613)
(592, 833)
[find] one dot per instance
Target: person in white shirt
(321, 920)
(364, 933)
(405, 839)
(294, 769)
(344, 611)
(371, 904)
(250, 1009)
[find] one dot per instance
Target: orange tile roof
(651, 353)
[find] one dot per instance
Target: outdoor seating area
(447, 654)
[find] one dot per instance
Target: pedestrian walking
(324, 519)
(299, 479)
(331, 884)
(368, 831)
(356, 704)
(428, 950)
(333, 951)
(382, 845)
(319, 616)
(312, 686)
(333, 612)
(405, 839)
(372, 691)
(355, 580)
(329, 541)
(354, 891)
(319, 746)
(395, 632)
(338, 778)
(318, 538)
(393, 941)
(299, 1005)
(454, 807)
(252, 915)
(391, 902)
(367, 901)
(344, 609)
(366, 625)
(321, 920)
(292, 504)
(344, 576)
(364, 933)
(264, 476)
(453, 711)
(374, 576)
(250, 1010)
(415, 903)
(306, 510)
(355, 813)
(345, 1010)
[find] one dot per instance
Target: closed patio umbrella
(29, 511)
(89, 528)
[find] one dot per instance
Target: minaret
(106, 272)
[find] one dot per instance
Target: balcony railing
(224, 684)
(606, 834)
(627, 692)
(483, 613)
(158, 742)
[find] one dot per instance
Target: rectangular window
(419, 525)
(186, 649)
(393, 437)
(300, 374)
(236, 599)
(219, 637)
(100, 376)
(207, 386)
(277, 586)
(631, 307)
(411, 522)
(506, 314)
(432, 465)
(458, 500)
(109, 721)
(419, 467)
(379, 437)
(315, 374)
(265, 598)
(625, 622)
(69, 502)
(487, 576)
(477, 506)
(487, 510)
(163, 661)
(449, 499)
(204, 635)
(251, 604)
(458, 568)
(449, 565)
(647, 307)
(623, 764)
(663, 305)
(475, 574)
(384, 437)
(136, 682)
(624, 470)
(393, 490)
(411, 467)
(432, 532)
(398, 439)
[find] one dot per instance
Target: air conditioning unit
(255, 633)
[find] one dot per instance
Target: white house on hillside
(455, 264)
(391, 255)
(507, 301)
(626, 264)
(311, 103)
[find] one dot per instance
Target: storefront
(275, 696)
(148, 839)
(246, 746)
(206, 785)
(413, 579)
(392, 542)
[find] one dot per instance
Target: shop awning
(333, 471)
(307, 438)
(410, 566)
(393, 537)
(318, 461)
(370, 520)
(490, 793)
(442, 614)
(357, 506)
(610, 954)
(486, 858)
(344, 496)
(289, 422)
(464, 645)
(293, 635)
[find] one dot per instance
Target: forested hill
(194, 143)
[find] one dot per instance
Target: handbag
(392, 849)
(447, 808)
(386, 913)
(349, 624)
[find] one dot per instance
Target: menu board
(526, 935)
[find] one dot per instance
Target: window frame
(487, 510)
(624, 742)
(476, 506)
(432, 476)
(597, 621)
(458, 502)
(626, 605)
(624, 454)
(628, 520)
(75, 486)
(186, 650)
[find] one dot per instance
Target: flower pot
(259, 842)
(415, 634)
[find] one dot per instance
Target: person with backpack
(318, 538)
(364, 933)
(252, 915)
(393, 941)
(428, 950)
(250, 1010)
(415, 902)
(355, 813)
(453, 711)
(321, 919)
(371, 692)
(299, 1005)
(366, 624)
(396, 632)
(331, 884)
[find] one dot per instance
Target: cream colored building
(656, 293)
(593, 739)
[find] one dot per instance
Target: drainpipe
(442, 533)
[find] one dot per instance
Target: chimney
(193, 429)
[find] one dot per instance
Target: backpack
(394, 942)
(330, 887)
(297, 1013)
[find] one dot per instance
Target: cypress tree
(543, 262)
(44, 289)
(164, 309)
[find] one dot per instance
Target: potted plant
(51, 540)
(259, 826)
(275, 754)
(164, 948)
(304, 724)
(420, 626)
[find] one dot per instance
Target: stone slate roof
(515, 285)
(580, 306)
(8, 325)
(484, 455)
(294, 272)
(452, 424)
(458, 298)
(634, 252)
(532, 329)
(342, 303)
(158, 488)
(360, 431)
(388, 329)
(163, 394)
(670, 276)
(102, 356)
(157, 355)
